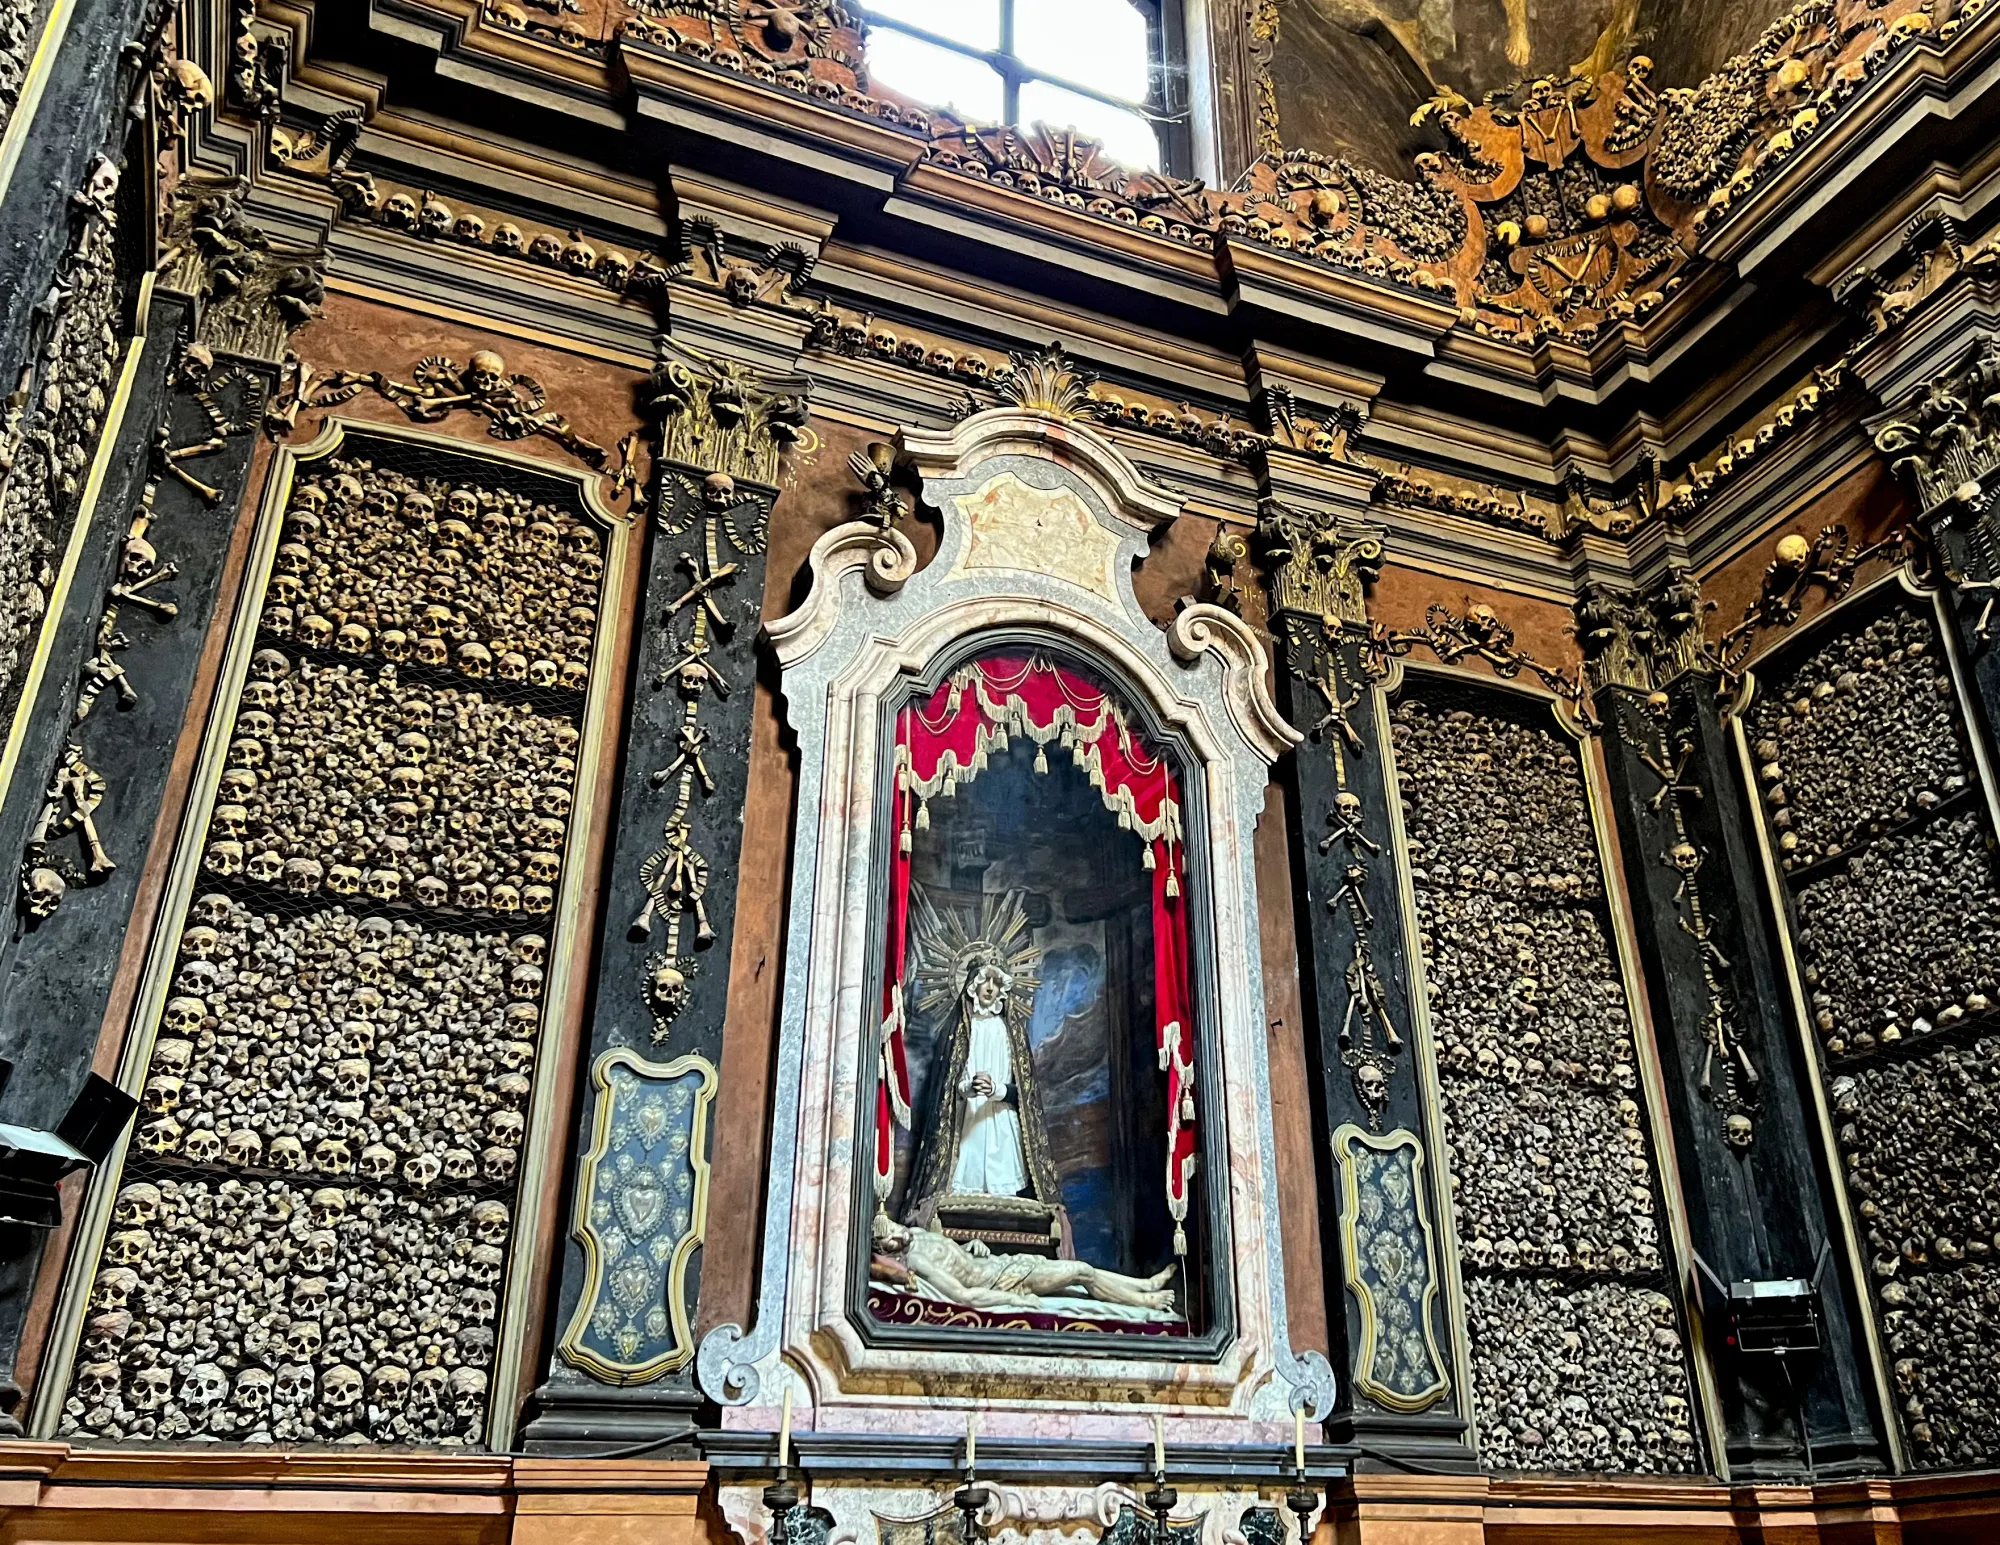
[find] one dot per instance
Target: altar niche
(1035, 1114)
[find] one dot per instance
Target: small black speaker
(96, 1117)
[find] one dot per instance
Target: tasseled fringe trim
(923, 815)
(1180, 1240)
(904, 844)
(1041, 759)
(1148, 860)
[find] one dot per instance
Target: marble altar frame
(1044, 520)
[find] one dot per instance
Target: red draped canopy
(945, 741)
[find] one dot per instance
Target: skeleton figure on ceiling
(982, 1134)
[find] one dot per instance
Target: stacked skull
(311, 1230)
(1577, 1361)
(1865, 774)
(280, 1311)
(1860, 736)
(480, 580)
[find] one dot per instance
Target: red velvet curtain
(946, 740)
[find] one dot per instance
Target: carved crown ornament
(1555, 210)
(1558, 208)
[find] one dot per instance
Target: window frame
(1165, 103)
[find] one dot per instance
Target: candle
(971, 1441)
(1159, 1446)
(785, 1430)
(1299, 1437)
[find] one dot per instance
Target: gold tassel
(1173, 884)
(923, 815)
(1149, 861)
(1124, 818)
(1187, 1108)
(1041, 759)
(1180, 1240)
(906, 839)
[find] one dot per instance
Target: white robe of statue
(990, 1161)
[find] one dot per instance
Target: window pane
(1096, 43)
(935, 76)
(975, 23)
(1128, 138)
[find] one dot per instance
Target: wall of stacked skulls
(1884, 839)
(1576, 1350)
(311, 1229)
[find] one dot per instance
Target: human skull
(138, 1205)
(162, 1136)
(244, 1147)
(378, 1162)
(252, 1394)
(422, 1170)
(303, 875)
(287, 1153)
(265, 865)
(460, 1166)
(490, 1223)
(44, 891)
(468, 1393)
(293, 1388)
(384, 884)
(203, 1145)
(97, 1383)
(204, 1386)
(340, 1390)
(183, 1016)
(161, 1094)
(350, 1078)
(151, 1388)
(114, 1288)
(487, 371)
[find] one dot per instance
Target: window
(1095, 66)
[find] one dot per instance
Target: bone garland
(700, 619)
(1482, 634)
(75, 788)
(1554, 1182)
(1320, 577)
(50, 428)
(514, 405)
(1730, 1079)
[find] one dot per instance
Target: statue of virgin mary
(982, 1167)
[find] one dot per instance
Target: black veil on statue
(946, 955)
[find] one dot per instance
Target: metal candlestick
(1302, 1499)
(971, 1500)
(1160, 1500)
(781, 1496)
